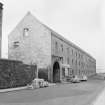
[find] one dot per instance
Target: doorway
(56, 72)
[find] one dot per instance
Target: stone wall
(15, 73)
(33, 46)
(79, 61)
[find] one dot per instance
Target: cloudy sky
(80, 21)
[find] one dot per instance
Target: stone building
(34, 43)
(1, 9)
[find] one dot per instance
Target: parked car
(34, 84)
(45, 84)
(75, 79)
(41, 83)
(84, 78)
(38, 83)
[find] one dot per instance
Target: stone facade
(1, 9)
(33, 42)
(68, 54)
(30, 42)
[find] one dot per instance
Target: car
(41, 83)
(45, 84)
(75, 79)
(84, 78)
(34, 84)
(38, 83)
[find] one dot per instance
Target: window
(63, 72)
(79, 71)
(72, 52)
(61, 59)
(68, 60)
(79, 63)
(15, 44)
(62, 47)
(76, 62)
(79, 55)
(82, 56)
(67, 51)
(66, 72)
(56, 46)
(72, 61)
(26, 32)
(72, 71)
(76, 54)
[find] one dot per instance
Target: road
(62, 94)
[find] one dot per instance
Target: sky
(80, 21)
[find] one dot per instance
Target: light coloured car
(45, 84)
(75, 79)
(84, 78)
(41, 83)
(38, 83)
(34, 84)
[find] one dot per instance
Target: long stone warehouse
(34, 43)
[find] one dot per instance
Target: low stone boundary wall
(15, 73)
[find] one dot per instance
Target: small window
(76, 62)
(16, 44)
(72, 61)
(79, 63)
(62, 48)
(26, 32)
(56, 46)
(62, 60)
(68, 51)
(63, 72)
(68, 60)
(79, 55)
(76, 54)
(72, 52)
(79, 71)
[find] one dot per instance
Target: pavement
(100, 100)
(83, 93)
(12, 89)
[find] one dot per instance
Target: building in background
(1, 13)
(34, 43)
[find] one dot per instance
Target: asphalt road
(61, 94)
